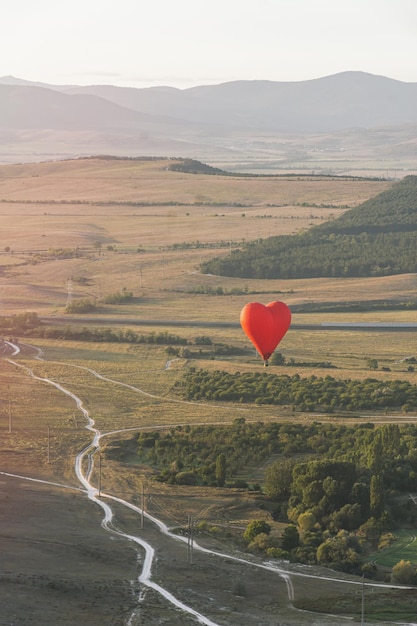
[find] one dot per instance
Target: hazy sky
(187, 42)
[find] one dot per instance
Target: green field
(403, 548)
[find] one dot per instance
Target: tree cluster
(192, 166)
(342, 489)
(306, 394)
(203, 455)
(20, 323)
(119, 297)
(107, 335)
(342, 503)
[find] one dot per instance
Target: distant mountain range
(191, 122)
(337, 102)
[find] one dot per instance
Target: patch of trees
(343, 504)
(119, 297)
(107, 335)
(306, 394)
(207, 455)
(342, 307)
(20, 323)
(192, 166)
(197, 245)
(81, 306)
(219, 290)
(56, 254)
(279, 359)
(378, 238)
(201, 346)
(206, 351)
(341, 489)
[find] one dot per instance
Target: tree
(340, 551)
(348, 517)
(81, 306)
(260, 543)
(290, 538)
(306, 521)
(390, 440)
(360, 495)
(221, 469)
(256, 527)
(403, 573)
(278, 479)
(277, 359)
(376, 495)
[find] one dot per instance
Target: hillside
(390, 211)
(377, 238)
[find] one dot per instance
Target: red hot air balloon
(265, 325)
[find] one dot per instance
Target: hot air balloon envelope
(265, 325)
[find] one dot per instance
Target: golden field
(110, 209)
(132, 223)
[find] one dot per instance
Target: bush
(239, 589)
(403, 573)
(81, 306)
(256, 527)
(260, 543)
(118, 298)
(186, 478)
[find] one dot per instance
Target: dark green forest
(377, 238)
(312, 393)
(192, 166)
(341, 489)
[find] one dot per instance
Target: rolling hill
(377, 238)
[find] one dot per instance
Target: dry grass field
(110, 209)
(130, 221)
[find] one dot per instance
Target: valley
(88, 229)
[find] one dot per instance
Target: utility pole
(190, 542)
(49, 443)
(10, 408)
(99, 474)
(363, 602)
(142, 506)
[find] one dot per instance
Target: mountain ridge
(349, 122)
(336, 102)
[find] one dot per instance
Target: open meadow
(89, 229)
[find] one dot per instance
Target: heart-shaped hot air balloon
(265, 325)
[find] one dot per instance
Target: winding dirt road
(84, 469)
